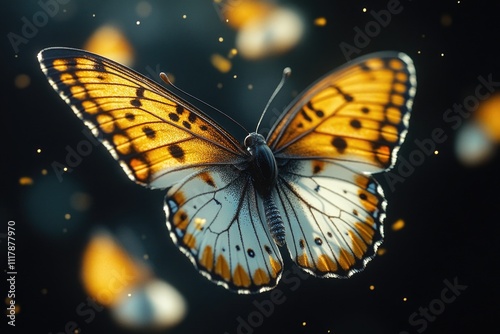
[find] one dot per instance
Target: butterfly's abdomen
(274, 221)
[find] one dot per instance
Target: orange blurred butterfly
(230, 205)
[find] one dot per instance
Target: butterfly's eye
(248, 141)
(254, 139)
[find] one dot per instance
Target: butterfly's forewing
(347, 125)
(358, 114)
(156, 137)
(222, 231)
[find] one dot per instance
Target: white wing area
(217, 219)
(333, 216)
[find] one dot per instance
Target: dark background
(450, 210)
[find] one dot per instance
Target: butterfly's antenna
(166, 79)
(286, 73)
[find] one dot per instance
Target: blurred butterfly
(231, 205)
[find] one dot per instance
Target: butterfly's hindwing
(357, 114)
(156, 137)
(217, 219)
(334, 216)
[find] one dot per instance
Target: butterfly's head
(253, 140)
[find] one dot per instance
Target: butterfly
(231, 204)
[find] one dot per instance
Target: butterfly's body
(264, 171)
(229, 206)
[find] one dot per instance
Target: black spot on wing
(305, 115)
(192, 117)
(355, 124)
(150, 133)
(98, 66)
(187, 125)
(139, 92)
(340, 144)
(179, 109)
(136, 103)
(173, 117)
(176, 151)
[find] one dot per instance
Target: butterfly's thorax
(263, 166)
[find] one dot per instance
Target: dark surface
(450, 211)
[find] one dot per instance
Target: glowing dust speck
(398, 225)
(22, 81)
(39, 150)
(235, 76)
(67, 216)
(25, 181)
(221, 63)
(44, 171)
(304, 323)
(145, 256)
(372, 287)
(137, 22)
(250, 87)
(442, 54)
(405, 299)
(436, 152)
(446, 20)
(364, 10)
(219, 85)
(221, 39)
(320, 21)
(184, 16)
(233, 52)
